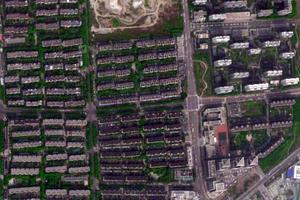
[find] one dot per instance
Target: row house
(54, 26)
(17, 16)
(16, 3)
(23, 30)
(16, 134)
(22, 54)
(68, 11)
(23, 66)
(33, 91)
(47, 12)
(46, 2)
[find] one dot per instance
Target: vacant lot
(242, 185)
(112, 15)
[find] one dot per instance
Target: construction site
(112, 15)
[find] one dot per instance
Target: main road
(238, 24)
(192, 106)
(214, 100)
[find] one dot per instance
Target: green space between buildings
(255, 138)
(164, 174)
(85, 32)
(253, 108)
(199, 71)
(2, 92)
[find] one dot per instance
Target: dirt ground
(243, 184)
(112, 15)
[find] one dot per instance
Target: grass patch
(258, 138)
(52, 180)
(165, 174)
(115, 22)
(91, 136)
(96, 166)
(156, 145)
(2, 92)
(89, 86)
(199, 56)
(296, 125)
(253, 108)
(199, 70)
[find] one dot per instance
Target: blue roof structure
(290, 172)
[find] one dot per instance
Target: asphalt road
(253, 23)
(214, 100)
(192, 106)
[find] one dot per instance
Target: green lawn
(52, 180)
(296, 126)
(253, 108)
(1, 165)
(202, 57)
(91, 136)
(89, 87)
(259, 137)
(96, 165)
(2, 92)
(239, 140)
(156, 144)
(115, 22)
(166, 175)
(199, 70)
